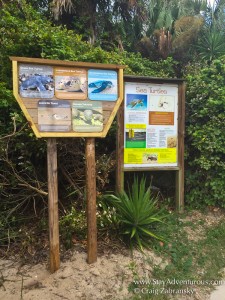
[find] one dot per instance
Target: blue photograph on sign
(102, 85)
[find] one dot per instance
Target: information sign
(151, 125)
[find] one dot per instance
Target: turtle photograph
(150, 158)
(36, 81)
(136, 102)
(102, 85)
(87, 116)
(70, 83)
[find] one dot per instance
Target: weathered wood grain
(91, 201)
(53, 204)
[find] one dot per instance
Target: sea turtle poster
(70, 83)
(150, 125)
(102, 85)
(87, 116)
(54, 115)
(36, 81)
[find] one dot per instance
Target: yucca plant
(137, 214)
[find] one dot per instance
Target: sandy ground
(108, 278)
(219, 293)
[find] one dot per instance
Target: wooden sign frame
(29, 106)
(179, 169)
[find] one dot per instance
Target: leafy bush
(23, 180)
(72, 226)
(39, 38)
(137, 214)
(205, 135)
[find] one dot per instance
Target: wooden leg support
(53, 205)
(91, 201)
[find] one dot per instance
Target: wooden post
(119, 150)
(91, 201)
(180, 190)
(181, 132)
(53, 204)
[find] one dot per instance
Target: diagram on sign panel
(162, 103)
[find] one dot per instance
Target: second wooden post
(53, 214)
(91, 201)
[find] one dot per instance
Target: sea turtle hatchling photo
(100, 86)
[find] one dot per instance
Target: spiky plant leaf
(137, 212)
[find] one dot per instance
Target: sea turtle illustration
(100, 85)
(36, 82)
(135, 102)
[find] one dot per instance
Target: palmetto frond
(137, 213)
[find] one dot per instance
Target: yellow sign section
(137, 126)
(150, 156)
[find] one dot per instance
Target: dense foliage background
(152, 38)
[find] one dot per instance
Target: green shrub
(23, 180)
(137, 214)
(72, 225)
(205, 135)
